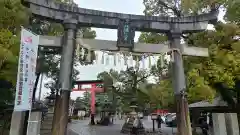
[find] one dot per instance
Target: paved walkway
(81, 127)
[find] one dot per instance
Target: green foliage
(223, 44)
(127, 86)
(233, 11)
(12, 16)
(154, 38)
(180, 7)
(223, 65)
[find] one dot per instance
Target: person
(159, 121)
(135, 126)
(204, 127)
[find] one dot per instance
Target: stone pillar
(34, 123)
(219, 125)
(179, 83)
(65, 79)
(17, 123)
(231, 124)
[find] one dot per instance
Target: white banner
(26, 70)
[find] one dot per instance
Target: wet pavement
(81, 127)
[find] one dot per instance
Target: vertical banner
(26, 70)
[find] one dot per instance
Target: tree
(127, 85)
(12, 16)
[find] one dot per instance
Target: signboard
(154, 116)
(126, 35)
(26, 70)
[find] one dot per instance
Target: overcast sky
(121, 6)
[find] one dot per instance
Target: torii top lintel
(88, 82)
(49, 9)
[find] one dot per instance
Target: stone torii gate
(73, 17)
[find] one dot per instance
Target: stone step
(50, 114)
(46, 127)
(47, 121)
(48, 118)
(45, 131)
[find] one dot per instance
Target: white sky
(122, 6)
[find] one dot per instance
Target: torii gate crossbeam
(108, 45)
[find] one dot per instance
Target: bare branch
(174, 9)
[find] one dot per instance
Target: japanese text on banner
(26, 70)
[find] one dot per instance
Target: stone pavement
(81, 127)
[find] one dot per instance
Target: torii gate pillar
(65, 79)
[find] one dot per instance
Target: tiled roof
(216, 102)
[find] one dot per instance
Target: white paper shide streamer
(149, 61)
(143, 60)
(114, 59)
(103, 58)
(96, 56)
(107, 60)
(125, 59)
(131, 60)
(137, 62)
(89, 56)
(82, 52)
